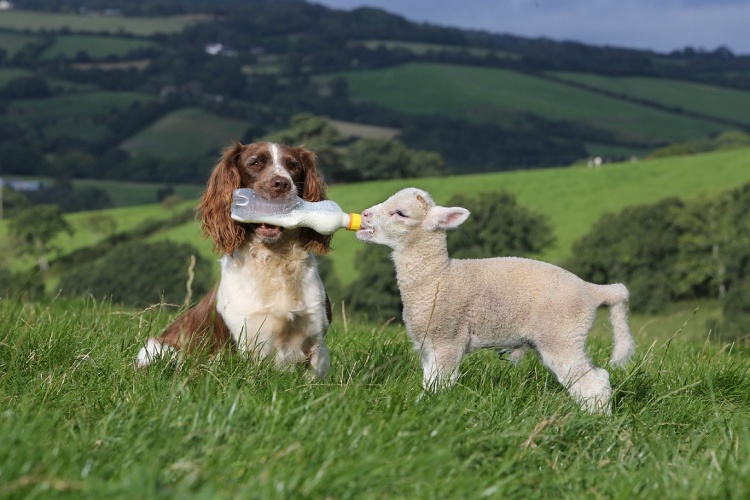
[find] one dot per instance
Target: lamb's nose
(280, 185)
(366, 213)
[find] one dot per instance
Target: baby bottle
(325, 217)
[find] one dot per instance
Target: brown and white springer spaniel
(270, 300)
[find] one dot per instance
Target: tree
(137, 274)
(375, 292)
(317, 134)
(498, 226)
(374, 159)
(37, 227)
(705, 231)
(637, 247)
(100, 225)
(27, 87)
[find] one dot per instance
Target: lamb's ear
(446, 217)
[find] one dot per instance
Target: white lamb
(453, 306)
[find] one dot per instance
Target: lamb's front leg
(319, 361)
(440, 366)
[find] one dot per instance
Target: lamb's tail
(616, 296)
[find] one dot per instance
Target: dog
(270, 300)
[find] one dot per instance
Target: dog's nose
(280, 185)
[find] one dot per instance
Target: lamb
(510, 304)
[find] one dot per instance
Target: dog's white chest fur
(272, 302)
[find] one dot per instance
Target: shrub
(138, 274)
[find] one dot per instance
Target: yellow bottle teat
(355, 222)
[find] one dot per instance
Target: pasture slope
(79, 421)
(489, 95)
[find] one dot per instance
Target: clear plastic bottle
(325, 217)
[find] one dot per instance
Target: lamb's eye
(401, 214)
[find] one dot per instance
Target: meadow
(78, 421)
(74, 114)
(708, 100)
(185, 133)
(500, 96)
(96, 47)
(91, 23)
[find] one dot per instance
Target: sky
(659, 25)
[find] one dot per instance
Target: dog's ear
(313, 189)
(215, 207)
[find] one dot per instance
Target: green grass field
(79, 421)
(72, 114)
(184, 133)
(498, 96)
(46, 21)
(14, 42)
(729, 104)
(125, 194)
(97, 47)
(8, 74)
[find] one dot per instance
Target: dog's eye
(252, 161)
(294, 166)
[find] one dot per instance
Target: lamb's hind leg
(586, 383)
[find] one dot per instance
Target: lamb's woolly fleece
(454, 306)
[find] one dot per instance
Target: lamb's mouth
(365, 233)
(268, 231)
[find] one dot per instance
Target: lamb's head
(402, 219)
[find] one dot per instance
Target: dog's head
(275, 172)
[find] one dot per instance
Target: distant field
(96, 47)
(497, 95)
(184, 133)
(13, 42)
(8, 74)
(349, 129)
(72, 114)
(144, 26)
(125, 194)
(708, 100)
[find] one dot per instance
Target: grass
(8, 74)
(72, 115)
(729, 104)
(185, 133)
(499, 96)
(125, 194)
(78, 421)
(142, 26)
(12, 43)
(97, 47)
